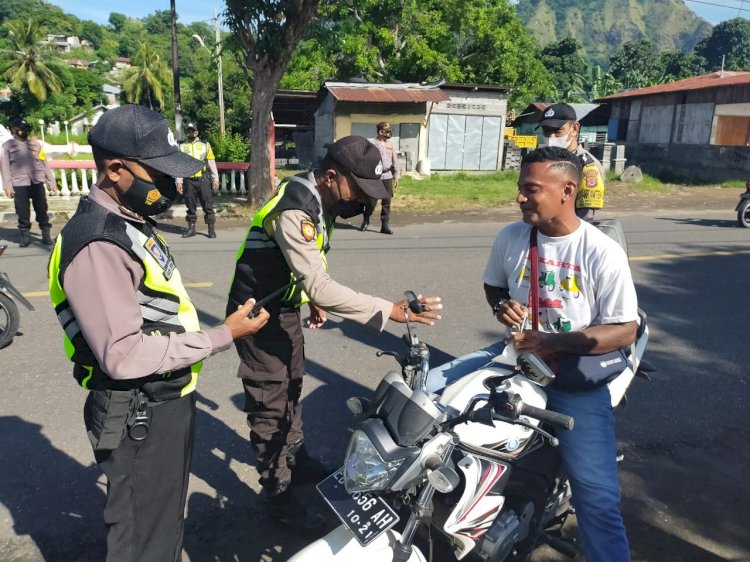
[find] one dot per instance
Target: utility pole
(176, 73)
(219, 73)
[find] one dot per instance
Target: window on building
(732, 130)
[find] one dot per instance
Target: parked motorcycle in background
(10, 318)
(743, 207)
(477, 463)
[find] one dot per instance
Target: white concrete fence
(75, 177)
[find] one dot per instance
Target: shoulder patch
(308, 230)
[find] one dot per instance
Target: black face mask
(191, 136)
(149, 199)
(347, 209)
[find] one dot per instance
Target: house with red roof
(695, 130)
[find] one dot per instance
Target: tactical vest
(261, 267)
(165, 305)
(200, 151)
(591, 188)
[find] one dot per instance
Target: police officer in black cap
(288, 240)
(25, 170)
(133, 333)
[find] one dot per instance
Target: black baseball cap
(138, 133)
(191, 126)
(361, 159)
(556, 115)
(19, 123)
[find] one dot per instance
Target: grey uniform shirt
(388, 157)
(29, 164)
(304, 258)
(100, 284)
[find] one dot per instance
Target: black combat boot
(25, 238)
(211, 230)
(305, 469)
(46, 238)
(283, 506)
(365, 224)
(384, 228)
(190, 230)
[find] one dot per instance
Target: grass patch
(460, 191)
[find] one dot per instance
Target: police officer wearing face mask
(132, 332)
(289, 238)
(25, 170)
(560, 128)
(390, 177)
(201, 186)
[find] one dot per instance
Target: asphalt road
(686, 434)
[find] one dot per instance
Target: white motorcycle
(484, 445)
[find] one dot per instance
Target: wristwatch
(498, 306)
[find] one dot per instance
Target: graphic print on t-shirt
(558, 282)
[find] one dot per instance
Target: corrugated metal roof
(388, 95)
(713, 80)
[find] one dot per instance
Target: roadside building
(441, 126)
(696, 129)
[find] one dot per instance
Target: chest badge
(308, 230)
(162, 258)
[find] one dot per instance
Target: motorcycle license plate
(365, 515)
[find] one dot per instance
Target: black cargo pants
(198, 190)
(272, 365)
(36, 193)
(385, 204)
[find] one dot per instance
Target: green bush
(60, 138)
(231, 147)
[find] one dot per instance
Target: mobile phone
(272, 295)
(535, 369)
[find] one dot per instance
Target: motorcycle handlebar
(560, 420)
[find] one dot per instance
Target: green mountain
(602, 26)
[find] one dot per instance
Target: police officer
(133, 333)
(25, 169)
(560, 128)
(390, 176)
(199, 187)
(289, 238)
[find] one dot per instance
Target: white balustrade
(64, 190)
(232, 184)
(74, 183)
(243, 191)
(84, 183)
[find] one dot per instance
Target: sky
(189, 11)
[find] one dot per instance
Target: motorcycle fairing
(480, 502)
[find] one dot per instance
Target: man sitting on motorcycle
(598, 318)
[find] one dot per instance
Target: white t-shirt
(584, 277)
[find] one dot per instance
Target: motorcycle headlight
(365, 469)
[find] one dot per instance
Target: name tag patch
(162, 258)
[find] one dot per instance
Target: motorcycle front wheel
(743, 214)
(9, 320)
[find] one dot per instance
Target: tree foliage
(144, 81)
(731, 40)
(29, 63)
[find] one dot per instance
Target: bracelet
(498, 306)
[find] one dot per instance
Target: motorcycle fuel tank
(503, 437)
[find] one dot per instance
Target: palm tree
(144, 81)
(29, 62)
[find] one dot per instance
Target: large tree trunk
(264, 89)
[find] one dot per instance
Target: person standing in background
(202, 185)
(390, 177)
(561, 128)
(25, 171)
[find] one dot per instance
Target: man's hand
(9, 192)
(542, 344)
(430, 304)
(511, 313)
(396, 184)
(239, 323)
(317, 318)
(179, 188)
(53, 189)
(216, 186)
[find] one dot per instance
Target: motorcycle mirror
(413, 302)
(358, 405)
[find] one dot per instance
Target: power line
(741, 9)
